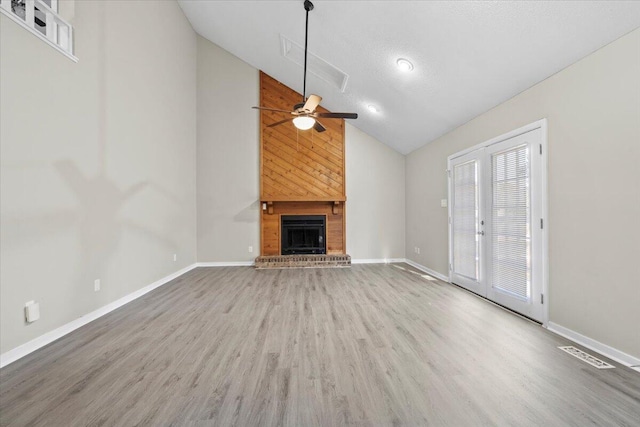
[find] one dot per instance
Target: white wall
(228, 171)
(593, 112)
(375, 197)
(228, 156)
(97, 161)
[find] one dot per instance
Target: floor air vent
(586, 357)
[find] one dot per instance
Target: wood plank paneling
(320, 172)
(322, 152)
(301, 172)
(303, 149)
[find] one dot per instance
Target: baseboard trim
(376, 260)
(29, 347)
(427, 270)
(606, 350)
(226, 264)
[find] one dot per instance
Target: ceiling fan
(304, 114)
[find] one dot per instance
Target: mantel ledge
(303, 199)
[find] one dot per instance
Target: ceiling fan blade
(279, 123)
(312, 103)
(337, 115)
(318, 127)
(271, 109)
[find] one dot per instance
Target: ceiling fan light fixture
(305, 112)
(404, 65)
(304, 122)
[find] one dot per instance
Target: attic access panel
(316, 65)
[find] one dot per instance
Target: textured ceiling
(468, 56)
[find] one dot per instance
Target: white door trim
(542, 125)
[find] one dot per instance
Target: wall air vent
(586, 357)
(315, 65)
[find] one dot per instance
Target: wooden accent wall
(301, 172)
(298, 165)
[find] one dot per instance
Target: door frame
(543, 126)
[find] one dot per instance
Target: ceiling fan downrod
(308, 6)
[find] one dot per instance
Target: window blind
(511, 219)
(465, 219)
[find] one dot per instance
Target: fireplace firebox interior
(303, 234)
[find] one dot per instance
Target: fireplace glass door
(303, 234)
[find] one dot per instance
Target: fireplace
(303, 234)
(301, 173)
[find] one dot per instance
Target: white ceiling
(468, 56)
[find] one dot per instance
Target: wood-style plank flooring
(370, 345)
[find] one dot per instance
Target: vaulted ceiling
(468, 56)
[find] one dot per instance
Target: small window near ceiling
(42, 19)
(17, 7)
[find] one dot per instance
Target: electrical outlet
(418, 250)
(175, 257)
(96, 285)
(250, 248)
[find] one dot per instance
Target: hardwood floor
(367, 345)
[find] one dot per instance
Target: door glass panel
(465, 220)
(511, 222)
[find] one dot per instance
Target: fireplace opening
(303, 234)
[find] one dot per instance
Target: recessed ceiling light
(404, 64)
(372, 108)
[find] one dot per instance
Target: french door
(496, 221)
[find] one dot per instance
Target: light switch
(443, 203)
(32, 311)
